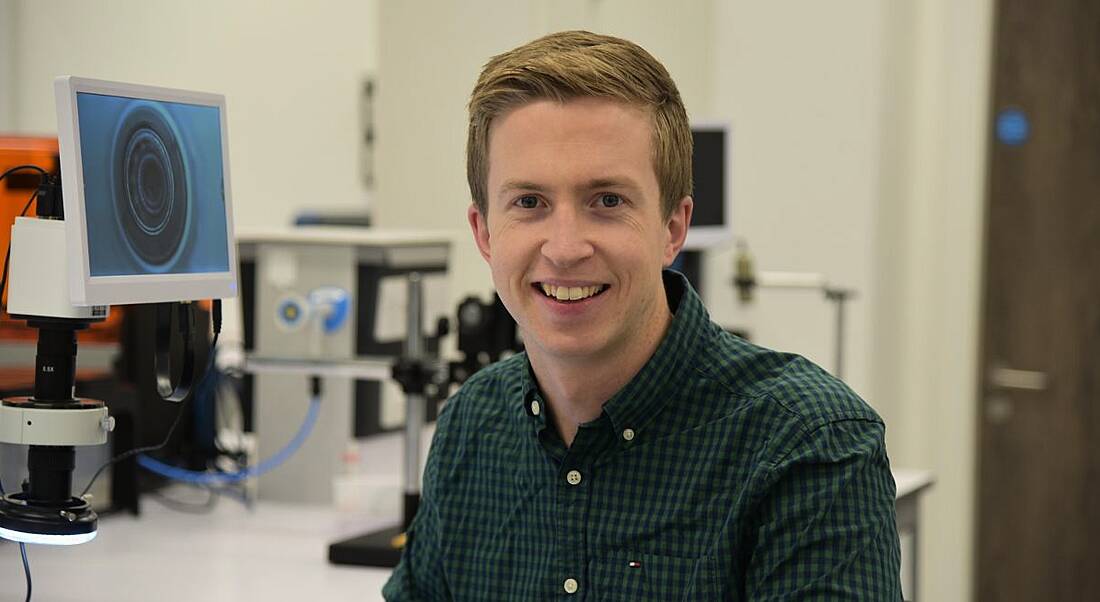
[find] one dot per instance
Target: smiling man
(635, 451)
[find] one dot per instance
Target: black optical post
(50, 467)
(485, 333)
(413, 371)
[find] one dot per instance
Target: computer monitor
(711, 167)
(145, 180)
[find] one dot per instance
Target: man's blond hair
(575, 64)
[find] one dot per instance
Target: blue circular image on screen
(154, 186)
(151, 186)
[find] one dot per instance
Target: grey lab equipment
(332, 302)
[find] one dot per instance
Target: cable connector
(51, 204)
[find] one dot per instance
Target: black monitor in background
(711, 216)
(709, 175)
(711, 220)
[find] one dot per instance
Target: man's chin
(567, 348)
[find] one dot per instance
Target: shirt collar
(637, 403)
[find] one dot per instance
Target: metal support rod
(839, 338)
(746, 281)
(839, 296)
(415, 402)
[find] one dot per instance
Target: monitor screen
(145, 186)
(710, 219)
(708, 171)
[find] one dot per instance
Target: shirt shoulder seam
(808, 428)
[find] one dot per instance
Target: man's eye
(611, 200)
(528, 202)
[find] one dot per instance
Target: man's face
(575, 235)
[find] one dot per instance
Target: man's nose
(567, 239)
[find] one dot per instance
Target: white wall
(428, 66)
(929, 240)
(860, 153)
(7, 47)
(801, 84)
(291, 72)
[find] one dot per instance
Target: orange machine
(15, 191)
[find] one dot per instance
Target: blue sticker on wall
(1012, 127)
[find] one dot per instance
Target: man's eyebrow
(593, 184)
(511, 185)
(612, 182)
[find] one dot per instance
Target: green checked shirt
(722, 471)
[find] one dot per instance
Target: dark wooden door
(1038, 509)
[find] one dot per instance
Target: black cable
(217, 311)
(28, 205)
(216, 316)
(41, 172)
(149, 448)
(235, 491)
(26, 568)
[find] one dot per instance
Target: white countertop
(276, 552)
(345, 235)
(911, 481)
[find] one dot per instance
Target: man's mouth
(567, 294)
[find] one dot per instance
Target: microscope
(145, 217)
(51, 421)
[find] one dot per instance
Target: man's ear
(677, 226)
(480, 228)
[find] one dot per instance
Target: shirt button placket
(576, 526)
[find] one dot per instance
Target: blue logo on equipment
(1012, 127)
(334, 304)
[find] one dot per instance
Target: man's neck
(576, 388)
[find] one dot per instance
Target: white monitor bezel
(85, 289)
(707, 237)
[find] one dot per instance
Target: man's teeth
(570, 293)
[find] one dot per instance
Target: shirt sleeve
(826, 528)
(419, 575)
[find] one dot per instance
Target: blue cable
(218, 478)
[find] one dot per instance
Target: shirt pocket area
(619, 576)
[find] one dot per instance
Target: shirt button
(570, 586)
(535, 408)
(574, 478)
(628, 434)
